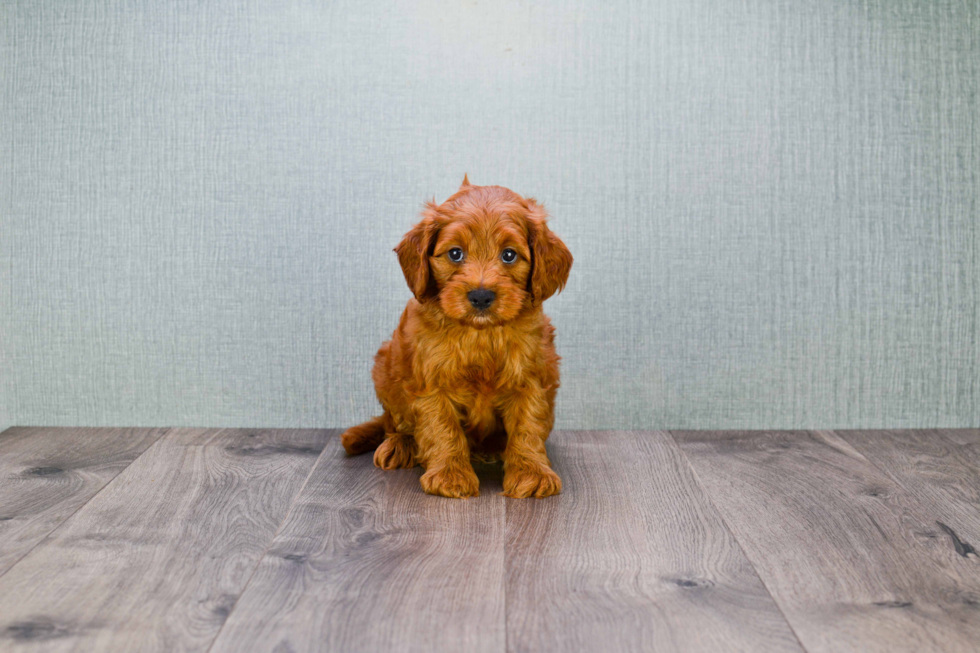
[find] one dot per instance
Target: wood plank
(46, 474)
(851, 557)
(967, 442)
(632, 556)
(367, 562)
(969, 438)
(156, 561)
(936, 471)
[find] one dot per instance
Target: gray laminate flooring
(237, 540)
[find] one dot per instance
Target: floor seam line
(64, 521)
(285, 518)
(895, 478)
(738, 543)
(503, 581)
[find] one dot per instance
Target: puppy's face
(483, 256)
(481, 263)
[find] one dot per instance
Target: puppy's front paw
(453, 482)
(396, 452)
(523, 482)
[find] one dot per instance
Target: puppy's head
(484, 256)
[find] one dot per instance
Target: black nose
(481, 298)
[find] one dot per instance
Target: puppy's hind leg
(364, 437)
(398, 451)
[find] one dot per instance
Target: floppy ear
(414, 251)
(550, 259)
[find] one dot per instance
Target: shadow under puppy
(471, 369)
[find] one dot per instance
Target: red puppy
(472, 367)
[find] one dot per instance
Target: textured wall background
(773, 204)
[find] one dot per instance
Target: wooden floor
(265, 540)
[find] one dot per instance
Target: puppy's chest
(479, 391)
(486, 363)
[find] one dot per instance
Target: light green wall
(773, 204)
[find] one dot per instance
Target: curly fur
(456, 382)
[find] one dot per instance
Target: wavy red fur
(456, 381)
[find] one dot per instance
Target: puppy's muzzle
(481, 298)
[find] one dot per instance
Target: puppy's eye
(508, 256)
(455, 255)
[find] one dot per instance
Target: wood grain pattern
(46, 474)
(935, 470)
(367, 562)
(631, 557)
(853, 559)
(967, 443)
(156, 561)
(239, 540)
(969, 438)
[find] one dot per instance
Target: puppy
(471, 370)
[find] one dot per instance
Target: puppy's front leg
(443, 449)
(527, 470)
